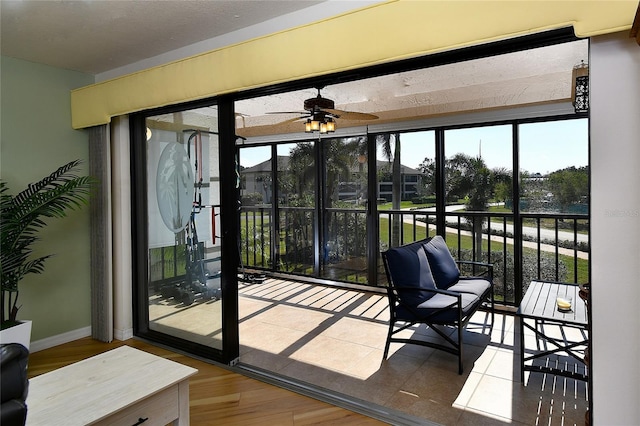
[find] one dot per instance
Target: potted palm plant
(21, 218)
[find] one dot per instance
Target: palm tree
(396, 184)
(23, 216)
(469, 177)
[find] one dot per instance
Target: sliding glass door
(343, 210)
(304, 208)
(180, 269)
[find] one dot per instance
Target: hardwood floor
(216, 395)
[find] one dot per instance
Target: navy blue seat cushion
(443, 267)
(473, 285)
(431, 309)
(409, 267)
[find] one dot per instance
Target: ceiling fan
(320, 114)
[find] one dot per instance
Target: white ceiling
(108, 38)
(94, 36)
(533, 77)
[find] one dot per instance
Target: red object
(199, 155)
(213, 224)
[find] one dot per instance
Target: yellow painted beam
(385, 32)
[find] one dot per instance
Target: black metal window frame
(229, 224)
(230, 196)
(440, 214)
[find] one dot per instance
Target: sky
(544, 147)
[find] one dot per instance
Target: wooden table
(123, 386)
(539, 305)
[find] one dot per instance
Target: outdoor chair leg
(386, 346)
(460, 349)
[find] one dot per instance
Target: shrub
(504, 282)
(251, 199)
(424, 199)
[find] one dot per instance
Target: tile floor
(334, 338)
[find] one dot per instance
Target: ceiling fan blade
(291, 120)
(288, 112)
(350, 115)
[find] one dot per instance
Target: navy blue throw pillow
(443, 267)
(409, 267)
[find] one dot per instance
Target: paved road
(545, 234)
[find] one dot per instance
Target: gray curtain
(101, 242)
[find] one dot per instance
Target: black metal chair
(425, 287)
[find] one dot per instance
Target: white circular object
(174, 187)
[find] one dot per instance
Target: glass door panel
(184, 247)
(554, 200)
(406, 190)
(256, 202)
(344, 210)
(479, 196)
(296, 188)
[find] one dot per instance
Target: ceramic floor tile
(316, 375)
(262, 359)
(477, 337)
(361, 389)
(360, 332)
(250, 307)
(436, 382)
(418, 352)
(472, 418)
(468, 388)
(470, 355)
(390, 373)
(506, 365)
(332, 354)
(504, 339)
(338, 345)
(500, 397)
(373, 306)
(269, 338)
(296, 318)
(338, 300)
(483, 361)
(416, 405)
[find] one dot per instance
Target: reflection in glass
(478, 183)
(554, 167)
(554, 199)
(344, 218)
(256, 197)
(183, 199)
(405, 174)
(296, 185)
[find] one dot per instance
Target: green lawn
(544, 223)
(452, 240)
(466, 243)
(405, 205)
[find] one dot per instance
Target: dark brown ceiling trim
(635, 28)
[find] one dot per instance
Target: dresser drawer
(158, 410)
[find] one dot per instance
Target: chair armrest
(431, 290)
(489, 266)
(397, 298)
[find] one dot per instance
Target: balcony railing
(542, 246)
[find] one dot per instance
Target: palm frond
(23, 216)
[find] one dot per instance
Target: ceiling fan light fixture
(319, 115)
(331, 125)
(320, 122)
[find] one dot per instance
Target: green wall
(35, 139)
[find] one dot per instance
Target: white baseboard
(60, 339)
(125, 334)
